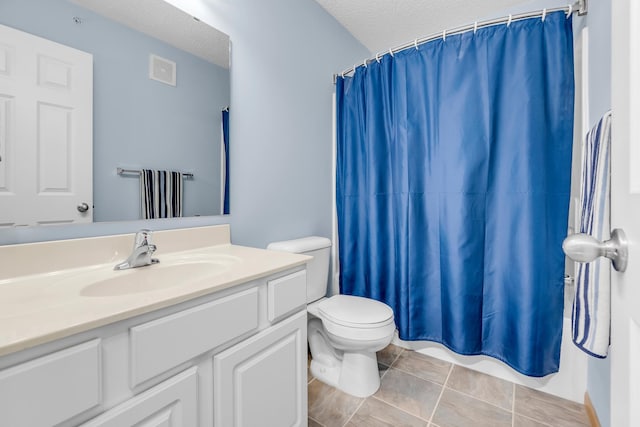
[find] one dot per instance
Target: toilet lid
(355, 311)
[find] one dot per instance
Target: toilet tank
(317, 269)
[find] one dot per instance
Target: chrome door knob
(584, 248)
(83, 207)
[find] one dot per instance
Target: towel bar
(122, 171)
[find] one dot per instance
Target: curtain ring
(342, 74)
(415, 43)
(544, 14)
(444, 35)
(377, 59)
(570, 11)
(509, 21)
(475, 27)
(390, 52)
(364, 63)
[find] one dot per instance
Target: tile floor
(417, 390)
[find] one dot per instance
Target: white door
(625, 212)
(46, 131)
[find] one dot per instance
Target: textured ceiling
(383, 24)
(165, 22)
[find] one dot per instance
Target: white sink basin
(181, 271)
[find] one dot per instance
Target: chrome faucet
(143, 248)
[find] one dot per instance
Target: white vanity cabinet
(236, 357)
(263, 380)
(172, 403)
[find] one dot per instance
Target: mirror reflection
(88, 88)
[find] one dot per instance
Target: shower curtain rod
(579, 7)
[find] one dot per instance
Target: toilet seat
(356, 319)
(355, 312)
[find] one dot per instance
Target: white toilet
(344, 331)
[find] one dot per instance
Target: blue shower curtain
(453, 180)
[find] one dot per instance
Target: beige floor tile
(376, 413)
(482, 386)
(329, 406)
(387, 355)
(522, 421)
(409, 393)
(459, 410)
(549, 409)
(313, 423)
(425, 367)
(382, 369)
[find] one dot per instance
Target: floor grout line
(354, 412)
(435, 408)
(402, 350)
(478, 399)
(385, 372)
(315, 421)
(532, 419)
(452, 365)
(513, 405)
(399, 408)
(423, 379)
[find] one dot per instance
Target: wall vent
(162, 70)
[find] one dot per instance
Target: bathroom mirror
(160, 85)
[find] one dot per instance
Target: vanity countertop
(65, 297)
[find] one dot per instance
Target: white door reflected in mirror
(46, 131)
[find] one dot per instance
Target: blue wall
(138, 122)
(599, 24)
(284, 53)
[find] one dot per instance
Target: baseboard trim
(591, 411)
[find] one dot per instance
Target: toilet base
(354, 372)
(357, 375)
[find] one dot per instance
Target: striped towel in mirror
(161, 193)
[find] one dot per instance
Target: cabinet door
(38, 384)
(172, 403)
(263, 381)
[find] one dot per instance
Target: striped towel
(591, 318)
(161, 193)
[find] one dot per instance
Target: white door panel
(625, 212)
(46, 131)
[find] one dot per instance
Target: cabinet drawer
(162, 344)
(51, 389)
(171, 403)
(287, 293)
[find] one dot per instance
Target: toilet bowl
(344, 332)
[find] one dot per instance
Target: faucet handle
(143, 238)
